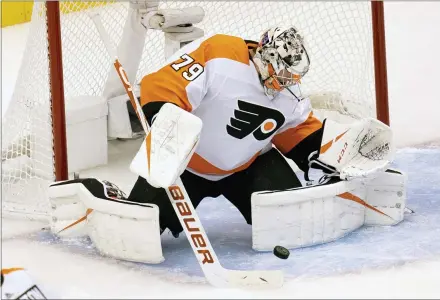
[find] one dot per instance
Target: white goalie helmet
(281, 58)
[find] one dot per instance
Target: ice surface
(87, 276)
(366, 251)
(383, 262)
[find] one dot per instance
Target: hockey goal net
(340, 38)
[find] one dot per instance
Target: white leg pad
(387, 193)
(318, 214)
(118, 228)
(66, 208)
(305, 216)
(124, 230)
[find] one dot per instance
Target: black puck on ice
(281, 252)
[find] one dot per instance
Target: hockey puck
(281, 252)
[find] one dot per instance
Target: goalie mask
(281, 58)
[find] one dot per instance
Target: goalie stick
(214, 272)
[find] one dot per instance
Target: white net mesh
(338, 36)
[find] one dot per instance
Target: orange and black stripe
(298, 142)
(202, 166)
(290, 138)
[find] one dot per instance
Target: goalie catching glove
(350, 151)
(168, 147)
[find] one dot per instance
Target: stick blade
(256, 279)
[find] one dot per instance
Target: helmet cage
(282, 58)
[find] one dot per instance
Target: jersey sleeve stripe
(288, 139)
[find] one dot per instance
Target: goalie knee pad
(118, 228)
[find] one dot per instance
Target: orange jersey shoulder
(183, 80)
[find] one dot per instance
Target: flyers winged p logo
(259, 120)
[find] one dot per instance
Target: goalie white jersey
(215, 79)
